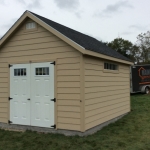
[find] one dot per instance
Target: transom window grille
(42, 71)
(110, 66)
(30, 25)
(20, 72)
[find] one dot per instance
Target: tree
(124, 47)
(143, 41)
(135, 54)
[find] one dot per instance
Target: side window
(42, 71)
(20, 72)
(110, 66)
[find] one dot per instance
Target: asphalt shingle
(89, 43)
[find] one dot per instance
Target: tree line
(138, 52)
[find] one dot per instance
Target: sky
(104, 20)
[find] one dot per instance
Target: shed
(52, 76)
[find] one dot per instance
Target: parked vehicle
(140, 78)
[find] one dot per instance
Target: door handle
(28, 99)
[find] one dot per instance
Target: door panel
(20, 92)
(32, 93)
(42, 85)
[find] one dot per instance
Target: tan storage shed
(54, 77)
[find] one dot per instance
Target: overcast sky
(104, 20)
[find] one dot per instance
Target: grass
(132, 132)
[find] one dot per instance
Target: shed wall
(40, 46)
(107, 93)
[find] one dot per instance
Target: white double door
(31, 94)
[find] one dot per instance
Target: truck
(140, 78)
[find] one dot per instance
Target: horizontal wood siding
(106, 92)
(42, 45)
(68, 93)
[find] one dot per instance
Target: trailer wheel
(147, 90)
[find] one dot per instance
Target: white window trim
(109, 70)
(47, 71)
(31, 29)
(30, 25)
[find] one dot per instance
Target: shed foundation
(91, 131)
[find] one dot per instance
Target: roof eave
(13, 28)
(94, 54)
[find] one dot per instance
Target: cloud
(78, 14)
(139, 27)
(6, 26)
(31, 4)
(126, 33)
(116, 7)
(102, 15)
(21, 1)
(67, 4)
(34, 4)
(113, 8)
(10, 24)
(2, 2)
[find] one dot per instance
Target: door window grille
(42, 71)
(20, 72)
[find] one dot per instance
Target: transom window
(30, 25)
(42, 71)
(20, 72)
(110, 66)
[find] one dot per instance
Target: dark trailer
(140, 78)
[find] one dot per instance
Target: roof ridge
(65, 26)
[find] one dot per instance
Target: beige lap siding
(42, 45)
(68, 93)
(106, 93)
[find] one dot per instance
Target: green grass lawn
(132, 132)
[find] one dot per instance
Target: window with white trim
(20, 72)
(42, 71)
(30, 25)
(110, 66)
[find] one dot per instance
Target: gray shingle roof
(89, 43)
